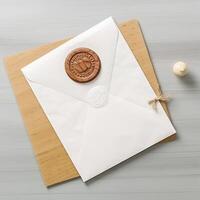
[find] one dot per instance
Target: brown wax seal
(82, 65)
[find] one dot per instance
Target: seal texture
(82, 65)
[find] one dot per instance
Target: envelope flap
(49, 70)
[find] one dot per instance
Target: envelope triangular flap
(49, 70)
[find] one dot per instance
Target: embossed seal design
(82, 65)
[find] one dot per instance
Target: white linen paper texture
(108, 120)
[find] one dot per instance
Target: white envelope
(103, 122)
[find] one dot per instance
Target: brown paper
(54, 162)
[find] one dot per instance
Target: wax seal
(82, 65)
(97, 96)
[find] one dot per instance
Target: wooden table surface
(166, 172)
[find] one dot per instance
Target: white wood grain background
(165, 172)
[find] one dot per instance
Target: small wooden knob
(180, 68)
